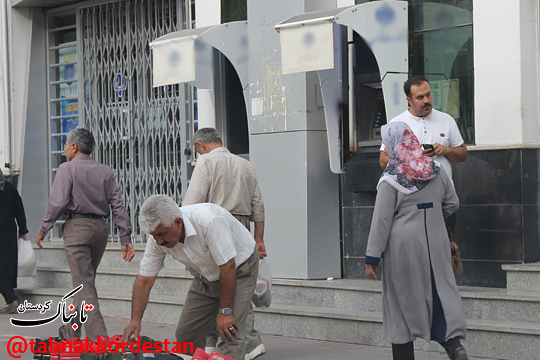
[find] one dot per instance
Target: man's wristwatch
(225, 311)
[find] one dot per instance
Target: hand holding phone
(428, 147)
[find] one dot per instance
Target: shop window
(442, 50)
(233, 10)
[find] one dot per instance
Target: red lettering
(146, 347)
(101, 349)
(42, 348)
(78, 347)
(113, 347)
(54, 346)
(177, 348)
(123, 346)
(165, 343)
(66, 347)
(88, 346)
(32, 343)
(157, 347)
(190, 346)
(137, 345)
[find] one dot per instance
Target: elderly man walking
(221, 255)
(84, 190)
(229, 181)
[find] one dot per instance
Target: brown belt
(85, 216)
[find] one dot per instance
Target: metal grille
(140, 131)
(62, 92)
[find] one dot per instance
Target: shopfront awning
(48, 4)
(186, 55)
(309, 42)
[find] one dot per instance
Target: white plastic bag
(27, 259)
(262, 295)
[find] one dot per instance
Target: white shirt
(437, 127)
(212, 238)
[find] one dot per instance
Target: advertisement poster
(68, 89)
(446, 96)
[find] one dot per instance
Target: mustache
(164, 243)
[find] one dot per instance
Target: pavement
(278, 347)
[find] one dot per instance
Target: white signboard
(174, 61)
(307, 48)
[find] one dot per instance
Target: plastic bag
(262, 295)
(27, 259)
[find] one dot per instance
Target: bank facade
(302, 88)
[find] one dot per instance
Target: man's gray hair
(158, 210)
(84, 140)
(207, 136)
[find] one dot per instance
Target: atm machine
(368, 115)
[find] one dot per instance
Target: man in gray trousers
(221, 255)
(229, 181)
(85, 191)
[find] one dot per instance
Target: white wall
(20, 37)
(207, 13)
(530, 69)
(343, 3)
(506, 72)
(15, 28)
(4, 112)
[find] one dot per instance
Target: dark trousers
(84, 243)
(406, 351)
(10, 296)
(451, 222)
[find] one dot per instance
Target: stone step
(485, 338)
(169, 282)
(358, 295)
(524, 277)
(52, 254)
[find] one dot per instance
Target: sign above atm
(306, 39)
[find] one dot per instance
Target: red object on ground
(200, 354)
(217, 356)
(116, 338)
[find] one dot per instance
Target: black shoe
(461, 354)
(61, 332)
(10, 308)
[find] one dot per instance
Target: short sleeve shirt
(212, 238)
(437, 127)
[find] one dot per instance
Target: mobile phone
(428, 147)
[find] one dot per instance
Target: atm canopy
(186, 55)
(382, 24)
(310, 42)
